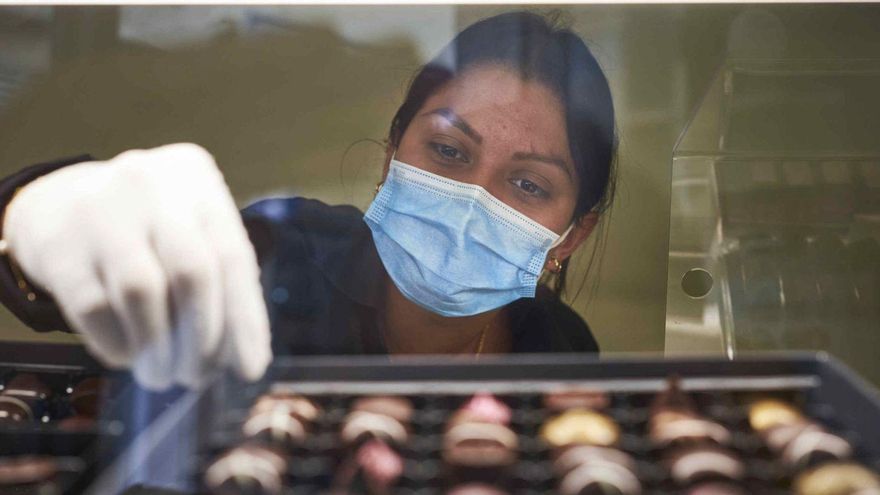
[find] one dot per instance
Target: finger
(194, 282)
(137, 291)
(82, 299)
(86, 307)
(246, 320)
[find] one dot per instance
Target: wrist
(20, 281)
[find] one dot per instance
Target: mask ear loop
(562, 237)
(557, 265)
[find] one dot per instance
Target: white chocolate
(359, 422)
(481, 431)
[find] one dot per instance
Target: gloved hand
(147, 257)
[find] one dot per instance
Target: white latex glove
(147, 257)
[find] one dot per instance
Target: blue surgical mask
(453, 248)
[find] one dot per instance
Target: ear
(389, 152)
(579, 233)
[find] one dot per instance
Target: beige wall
(280, 111)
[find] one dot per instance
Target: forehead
(506, 110)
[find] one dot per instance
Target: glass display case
(775, 215)
(773, 245)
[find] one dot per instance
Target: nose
(485, 174)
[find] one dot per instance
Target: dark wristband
(28, 303)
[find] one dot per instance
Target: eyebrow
(461, 124)
(559, 162)
(457, 122)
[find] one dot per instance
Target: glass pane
(775, 193)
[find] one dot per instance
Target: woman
(498, 164)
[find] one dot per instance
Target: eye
(530, 188)
(448, 153)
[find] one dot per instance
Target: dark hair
(554, 56)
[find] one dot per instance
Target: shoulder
(572, 327)
(299, 224)
(547, 324)
(301, 211)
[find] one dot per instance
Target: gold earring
(378, 186)
(557, 265)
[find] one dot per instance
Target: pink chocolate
(485, 407)
(380, 464)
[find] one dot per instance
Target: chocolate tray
(76, 450)
(822, 388)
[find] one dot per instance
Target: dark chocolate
(84, 398)
(23, 398)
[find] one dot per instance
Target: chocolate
(576, 398)
(779, 436)
(716, 488)
(15, 410)
(591, 469)
(477, 443)
(767, 413)
(374, 464)
(812, 446)
(673, 402)
(804, 443)
(600, 479)
(248, 469)
(475, 489)
(295, 405)
(677, 430)
(838, 478)
(276, 427)
(486, 431)
(380, 465)
(381, 417)
(674, 419)
(483, 407)
(281, 420)
(27, 386)
(693, 463)
(23, 398)
(580, 426)
(470, 461)
(576, 455)
(478, 447)
(26, 470)
(398, 408)
(84, 398)
(359, 425)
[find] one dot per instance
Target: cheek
(558, 216)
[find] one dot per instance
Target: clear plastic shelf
(775, 217)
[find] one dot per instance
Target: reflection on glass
(788, 213)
